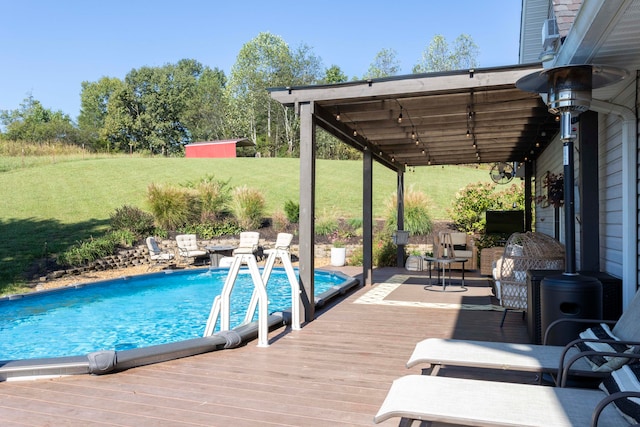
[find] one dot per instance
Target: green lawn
(50, 204)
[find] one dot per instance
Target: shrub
(172, 207)
(354, 223)
(416, 213)
(357, 257)
(90, 250)
(385, 253)
(280, 221)
(469, 206)
(326, 226)
(248, 205)
(209, 230)
(471, 203)
(214, 196)
(292, 210)
(130, 218)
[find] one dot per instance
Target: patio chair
(524, 251)
(486, 403)
(157, 255)
(623, 337)
(249, 241)
(188, 247)
(283, 242)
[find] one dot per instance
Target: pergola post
(307, 210)
(400, 221)
(528, 197)
(367, 218)
(588, 205)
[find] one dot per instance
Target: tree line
(158, 110)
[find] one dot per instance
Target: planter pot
(338, 256)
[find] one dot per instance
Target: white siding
(534, 12)
(610, 156)
(610, 188)
(550, 160)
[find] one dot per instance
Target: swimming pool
(135, 314)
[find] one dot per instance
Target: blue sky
(50, 47)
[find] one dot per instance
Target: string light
(400, 116)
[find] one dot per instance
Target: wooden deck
(336, 371)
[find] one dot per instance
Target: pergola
(448, 118)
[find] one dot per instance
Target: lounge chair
(537, 358)
(188, 247)
(488, 403)
(157, 255)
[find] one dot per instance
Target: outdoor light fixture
(400, 116)
(568, 93)
(468, 134)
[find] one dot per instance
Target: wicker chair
(524, 251)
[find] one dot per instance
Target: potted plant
(553, 185)
(338, 253)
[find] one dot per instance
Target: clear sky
(50, 47)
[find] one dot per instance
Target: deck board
(336, 371)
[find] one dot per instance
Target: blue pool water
(130, 312)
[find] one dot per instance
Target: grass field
(50, 203)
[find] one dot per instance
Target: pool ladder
(221, 304)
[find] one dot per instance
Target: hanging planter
(553, 187)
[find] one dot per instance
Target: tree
(149, 111)
(94, 101)
(206, 113)
(266, 61)
(385, 64)
(439, 57)
(334, 74)
(32, 122)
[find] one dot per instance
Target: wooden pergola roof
(457, 117)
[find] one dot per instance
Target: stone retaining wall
(139, 255)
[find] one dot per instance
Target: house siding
(550, 160)
(534, 13)
(611, 152)
(610, 189)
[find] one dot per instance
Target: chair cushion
(625, 379)
(459, 247)
(463, 254)
(603, 363)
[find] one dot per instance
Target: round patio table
(217, 252)
(444, 262)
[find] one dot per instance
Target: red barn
(216, 149)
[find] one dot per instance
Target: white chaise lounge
(488, 403)
(530, 357)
